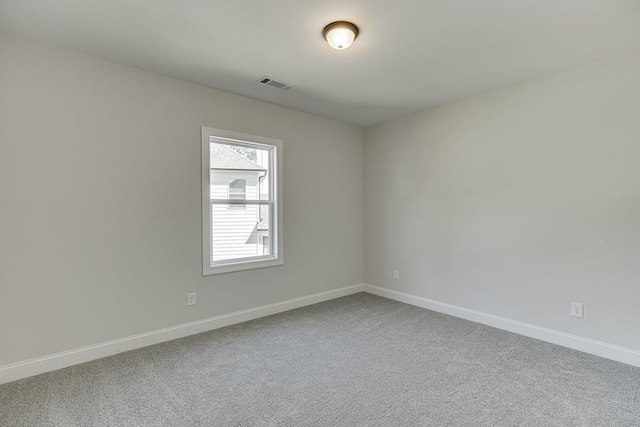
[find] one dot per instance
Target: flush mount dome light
(340, 34)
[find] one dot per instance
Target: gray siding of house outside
(234, 227)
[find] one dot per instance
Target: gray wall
(516, 202)
(100, 201)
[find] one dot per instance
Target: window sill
(241, 266)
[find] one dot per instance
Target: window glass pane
(235, 168)
(240, 233)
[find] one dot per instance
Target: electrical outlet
(576, 309)
(396, 274)
(191, 298)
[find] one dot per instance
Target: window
(241, 201)
(238, 189)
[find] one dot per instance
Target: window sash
(273, 255)
(240, 202)
(273, 153)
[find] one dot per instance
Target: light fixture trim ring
(340, 24)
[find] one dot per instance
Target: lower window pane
(240, 233)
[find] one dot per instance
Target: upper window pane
(234, 168)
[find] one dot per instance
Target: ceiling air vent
(275, 83)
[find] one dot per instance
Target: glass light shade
(340, 35)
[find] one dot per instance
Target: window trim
(276, 184)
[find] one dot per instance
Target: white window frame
(275, 192)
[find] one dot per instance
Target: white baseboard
(586, 345)
(16, 371)
(27, 368)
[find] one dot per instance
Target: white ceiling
(410, 55)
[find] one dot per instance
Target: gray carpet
(355, 361)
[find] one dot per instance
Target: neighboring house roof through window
(222, 157)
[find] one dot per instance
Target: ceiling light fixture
(340, 34)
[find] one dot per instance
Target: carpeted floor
(356, 361)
